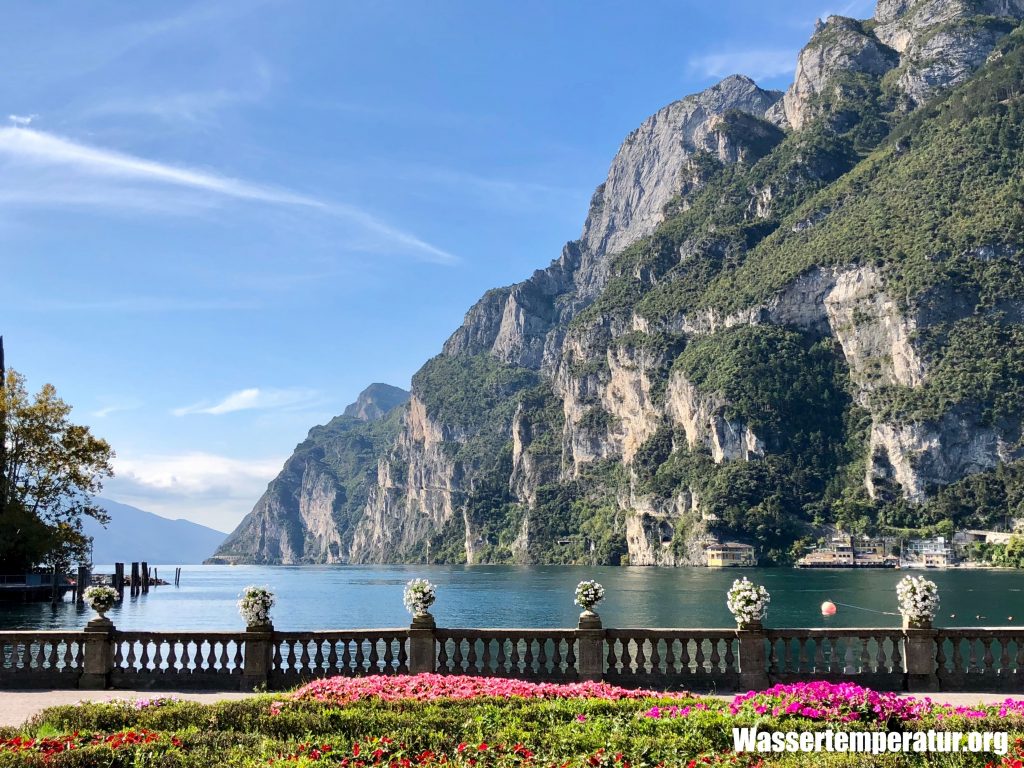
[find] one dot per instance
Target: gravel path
(18, 706)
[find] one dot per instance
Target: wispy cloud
(252, 399)
(203, 487)
(758, 63)
(81, 165)
(109, 410)
(22, 120)
(198, 107)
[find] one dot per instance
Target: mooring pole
(119, 580)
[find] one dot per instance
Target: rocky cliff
(785, 312)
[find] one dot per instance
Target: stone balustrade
(101, 656)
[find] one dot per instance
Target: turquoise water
(343, 597)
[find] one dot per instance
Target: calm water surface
(343, 597)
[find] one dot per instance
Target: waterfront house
(928, 553)
(728, 554)
(845, 551)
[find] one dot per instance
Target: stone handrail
(988, 658)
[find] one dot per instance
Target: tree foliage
(50, 471)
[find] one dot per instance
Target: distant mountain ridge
(135, 535)
(786, 313)
(375, 401)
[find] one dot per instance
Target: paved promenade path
(18, 706)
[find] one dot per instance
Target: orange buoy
(828, 608)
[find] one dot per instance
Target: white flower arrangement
(918, 598)
(100, 598)
(747, 601)
(255, 604)
(588, 594)
(419, 596)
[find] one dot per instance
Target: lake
(345, 597)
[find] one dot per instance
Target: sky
(220, 221)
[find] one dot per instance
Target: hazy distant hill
(134, 534)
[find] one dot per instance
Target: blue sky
(220, 221)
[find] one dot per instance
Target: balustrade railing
(980, 659)
(187, 659)
(526, 653)
(871, 656)
(686, 658)
(974, 659)
(41, 659)
(300, 656)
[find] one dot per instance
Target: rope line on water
(862, 608)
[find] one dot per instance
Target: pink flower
(426, 687)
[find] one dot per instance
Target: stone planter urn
(910, 622)
(101, 599)
(750, 626)
(589, 619)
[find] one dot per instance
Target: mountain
(786, 313)
(308, 512)
(135, 535)
(376, 401)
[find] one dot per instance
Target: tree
(50, 472)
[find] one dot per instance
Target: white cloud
(202, 487)
(94, 176)
(250, 400)
(757, 63)
(108, 410)
(22, 120)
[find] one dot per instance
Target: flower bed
(430, 720)
(429, 687)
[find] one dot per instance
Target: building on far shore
(928, 553)
(845, 551)
(728, 554)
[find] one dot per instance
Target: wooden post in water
(177, 577)
(145, 577)
(136, 581)
(81, 583)
(119, 580)
(53, 586)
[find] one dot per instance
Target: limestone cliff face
(922, 457)
(413, 497)
(582, 402)
(306, 514)
(839, 46)
(923, 47)
(524, 325)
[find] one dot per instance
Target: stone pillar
(98, 654)
(920, 659)
(422, 656)
(753, 671)
(590, 639)
(258, 648)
